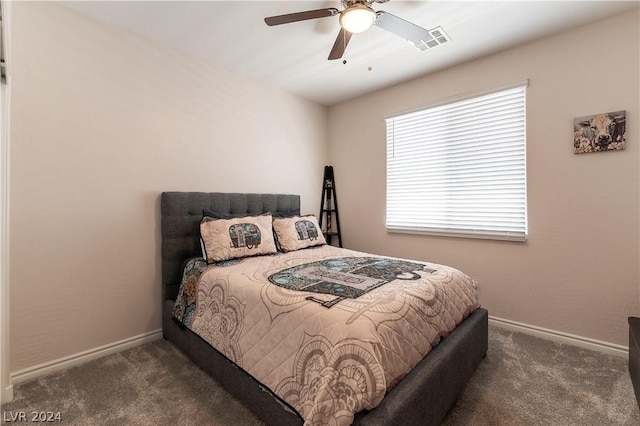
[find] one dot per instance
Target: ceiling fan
(358, 16)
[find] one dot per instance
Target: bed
(423, 396)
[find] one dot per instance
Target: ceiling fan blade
(301, 16)
(418, 36)
(340, 45)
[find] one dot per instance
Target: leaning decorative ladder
(329, 207)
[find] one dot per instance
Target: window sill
(499, 236)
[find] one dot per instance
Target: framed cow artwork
(600, 132)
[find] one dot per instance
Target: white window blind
(459, 169)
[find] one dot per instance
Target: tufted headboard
(181, 213)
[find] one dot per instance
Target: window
(458, 168)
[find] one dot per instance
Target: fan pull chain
(369, 68)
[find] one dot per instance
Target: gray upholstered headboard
(181, 213)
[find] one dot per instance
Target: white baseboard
(7, 394)
(82, 357)
(561, 337)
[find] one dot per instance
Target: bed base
(423, 397)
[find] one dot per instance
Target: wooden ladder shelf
(329, 208)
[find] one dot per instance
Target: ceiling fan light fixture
(357, 18)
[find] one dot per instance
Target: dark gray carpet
(523, 381)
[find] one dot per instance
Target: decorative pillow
(225, 239)
(298, 232)
(216, 215)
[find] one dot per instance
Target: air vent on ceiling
(436, 37)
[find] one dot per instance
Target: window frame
(521, 234)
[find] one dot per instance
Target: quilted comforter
(328, 330)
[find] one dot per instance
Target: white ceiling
(293, 57)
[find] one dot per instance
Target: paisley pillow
(224, 239)
(298, 232)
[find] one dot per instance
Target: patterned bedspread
(329, 330)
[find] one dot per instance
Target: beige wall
(578, 271)
(102, 122)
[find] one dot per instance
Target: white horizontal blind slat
(460, 169)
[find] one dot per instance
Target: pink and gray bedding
(328, 330)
